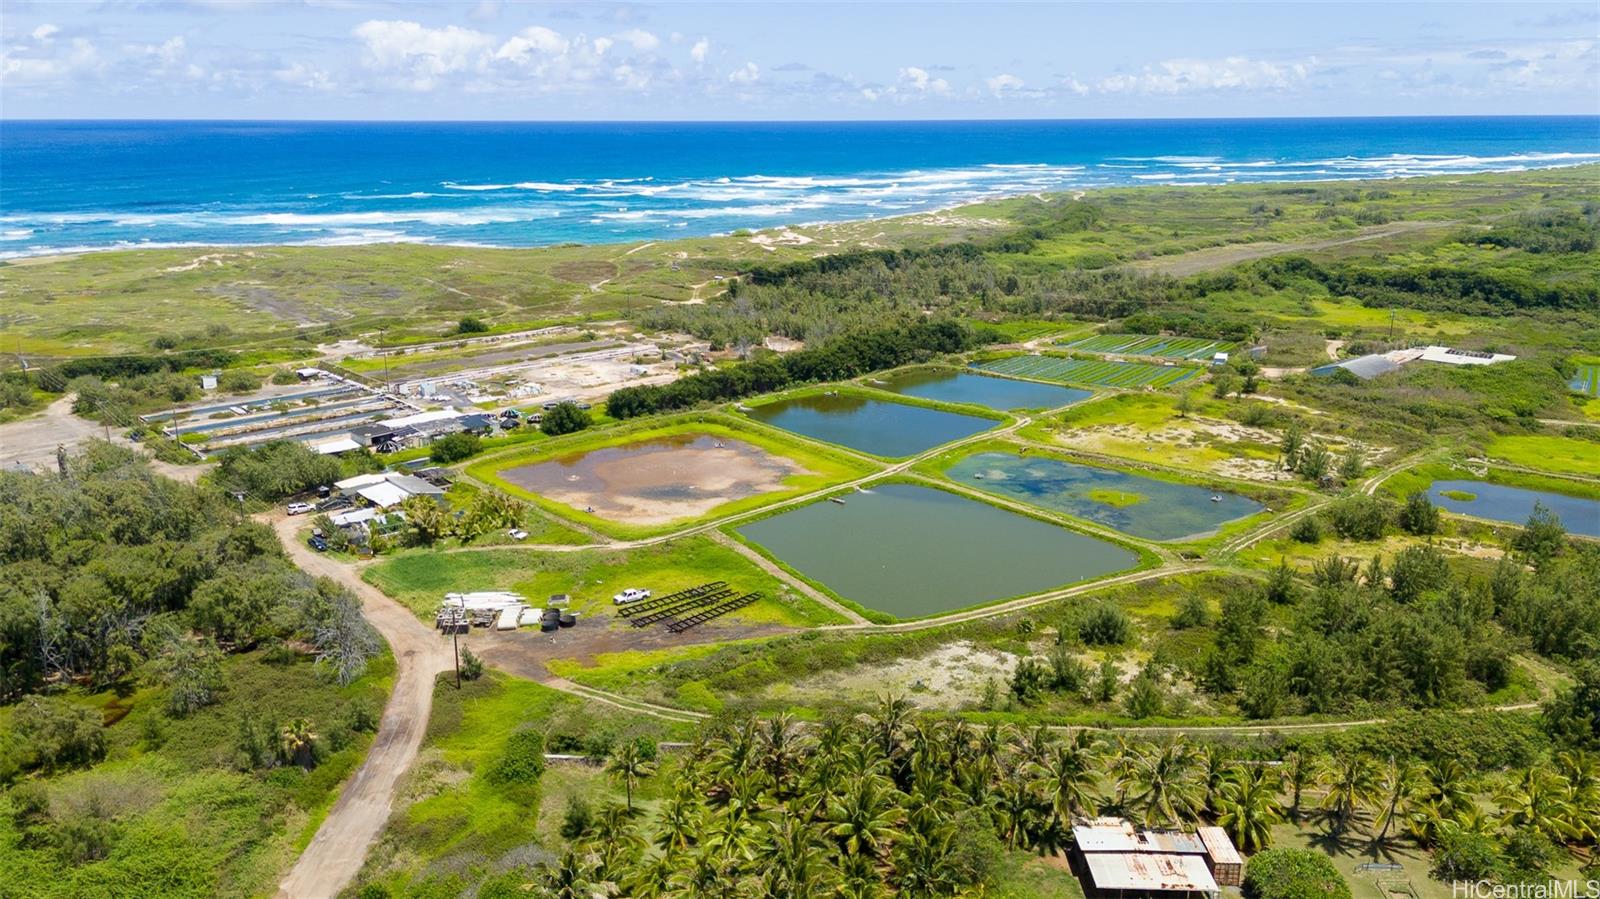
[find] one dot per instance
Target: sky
(504, 60)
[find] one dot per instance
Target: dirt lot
(656, 481)
(525, 651)
(31, 442)
(947, 678)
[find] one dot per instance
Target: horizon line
(818, 121)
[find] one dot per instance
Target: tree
(629, 764)
(1293, 874)
(1542, 537)
(191, 670)
(1222, 384)
(471, 324)
(53, 734)
(1397, 785)
(1184, 404)
(1572, 716)
(565, 418)
(1315, 462)
(1165, 785)
(1418, 570)
(1419, 515)
(427, 519)
(1249, 807)
(1461, 855)
(1352, 465)
(1294, 438)
(453, 447)
(1069, 776)
(1350, 780)
(298, 743)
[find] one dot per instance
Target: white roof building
(1450, 356)
(337, 445)
(1116, 859)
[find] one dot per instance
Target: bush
(238, 380)
(1307, 530)
(1193, 611)
(1359, 517)
(1293, 874)
(565, 418)
(522, 761)
(471, 324)
(453, 447)
(578, 818)
(1105, 624)
(1463, 855)
(54, 734)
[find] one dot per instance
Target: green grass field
(1563, 455)
(1096, 373)
(420, 579)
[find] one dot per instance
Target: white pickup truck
(630, 595)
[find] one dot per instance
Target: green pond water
(913, 551)
(1141, 506)
(879, 427)
(1002, 394)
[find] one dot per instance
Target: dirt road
(32, 441)
(338, 850)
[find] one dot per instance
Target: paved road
(337, 852)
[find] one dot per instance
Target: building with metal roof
(1114, 859)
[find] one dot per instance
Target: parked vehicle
(299, 508)
(630, 595)
(318, 543)
(509, 423)
(517, 534)
(324, 491)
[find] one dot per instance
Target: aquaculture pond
(1141, 506)
(1498, 502)
(871, 426)
(980, 390)
(912, 551)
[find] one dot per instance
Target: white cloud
(420, 55)
(534, 41)
(700, 50)
(1175, 76)
(920, 81)
(82, 58)
(601, 45)
(750, 73)
(1074, 85)
(45, 33)
(1003, 83)
(302, 75)
(639, 39)
(630, 77)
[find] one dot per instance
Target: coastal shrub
(453, 447)
(1104, 624)
(1193, 611)
(276, 469)
(471, 665)
(1287, 873)
(1461, 855)
(238, 380)
(1359, 517)
(54, 734)
(565, 418)
(521, 761)
(1307, 530)
(471, 324)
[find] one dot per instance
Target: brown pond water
(658, 480)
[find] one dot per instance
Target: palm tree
(889, 722)
(629, 765)
(677, 822)
(865, 817)
(795, 864)
(1215, 769)
(1299, 770)
(1398, 784)
(1447, 782)
(1581, 771)
(1069, 776)
(1537, 800)
(297, 743)
(1249, 806)
(1350, 780)
(922, 861)
(1168, 792)
(1017, 810)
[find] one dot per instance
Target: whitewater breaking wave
(520, 210)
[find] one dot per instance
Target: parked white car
(299, 508)
(517, 534)
(630, 595)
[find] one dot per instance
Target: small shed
(1227, 867)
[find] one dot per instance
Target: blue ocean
(80, 185)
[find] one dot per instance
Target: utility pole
(1391, 324)
(455, 645)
